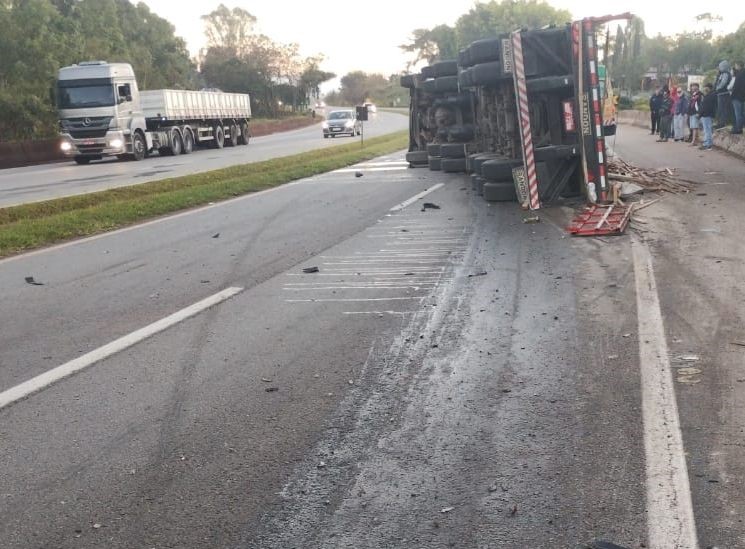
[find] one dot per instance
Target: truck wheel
(499, 192)
(453, 165)
(453, 150)
(82, 160)
(417, 158)
(550, 84)
(499, 170)
(245, 134)
(433, 149)
(139, 148)
(188, 142)
(445, 68)
(177, 145)
(435, 163)
(218, 135)
(232, 140)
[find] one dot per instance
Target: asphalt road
(35, 183)
(450, 377)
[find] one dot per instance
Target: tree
(429, 45)
(230, 29)
(490, 19)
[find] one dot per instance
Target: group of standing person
(672, 110)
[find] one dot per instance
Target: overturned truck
(522, 113)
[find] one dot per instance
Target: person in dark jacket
(666, 116)
(721, 86)
(738, 97)
(708, 111)
(654, 107)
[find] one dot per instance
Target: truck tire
(139, 146)
(475, 182)
(187, 138)
(464, 58)
(485, 74)
(465, 78)
(453, 165)
(428, 86)
(245, 134)
(417, 158)
(408, 81)
(445, 68)
(218, 137)
(433, 149)
(428, 72)
(446, 84)
(177, 145)
(453, 150)
(435, 163)
(477, 161)
(499, 192)
(550, 83)
(82, 160)
(232, 139)
(499, 170)
(482, 51)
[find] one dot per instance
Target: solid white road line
(416, 197)
(670, 521)
(76, 365)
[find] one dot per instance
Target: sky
(354, 35)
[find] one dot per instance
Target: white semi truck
(103, 113)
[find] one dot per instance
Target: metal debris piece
(309, 270)
(30, 280)
(533, 219)
(430, 206)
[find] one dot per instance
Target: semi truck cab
(99, 111)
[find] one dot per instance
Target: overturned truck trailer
(525, 119)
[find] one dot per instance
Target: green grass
(29, 226)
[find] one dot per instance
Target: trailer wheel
(187, 142)
(417, 158)
(177, 145)
(435, 163)
(453, 150)
(139, 148)
(218, 137)
(232, 140)
(453, 165)
(499, 170)
(245, 134)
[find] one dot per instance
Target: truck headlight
(116, 143)
(65, 146)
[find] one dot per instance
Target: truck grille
(88, 133)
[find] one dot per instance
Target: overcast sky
(355, 35)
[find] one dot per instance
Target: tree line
(630, 55)
(40, 36)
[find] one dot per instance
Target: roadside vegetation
(38, 224)
(40, 36)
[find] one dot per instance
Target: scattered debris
(358, 174)
(216, 235)
(626, 335)
(30, 280)
(321, 464)
(533, 219)
(738, 343)
(612, 357)
(409, 274)
(663, 179)
(272, 389)
(430, 206)
(265, 380)
(597, 220)
(309, 270)
(513, 512)
(482, 273)
(97, 526)
(493, 488)
(688, 358)
(446, 509)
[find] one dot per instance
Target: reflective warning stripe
(521, 93)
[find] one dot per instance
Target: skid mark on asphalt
(397, 267)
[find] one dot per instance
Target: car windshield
(79, 97)
(340, 115)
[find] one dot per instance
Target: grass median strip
(29, 226)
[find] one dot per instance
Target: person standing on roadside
(708, 111)
(723, 98)
(738, 97)
(694, 112)
(666, 116)
(654, 108)
(680, 115)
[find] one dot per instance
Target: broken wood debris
(663, 179)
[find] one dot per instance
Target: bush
(625, 103)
